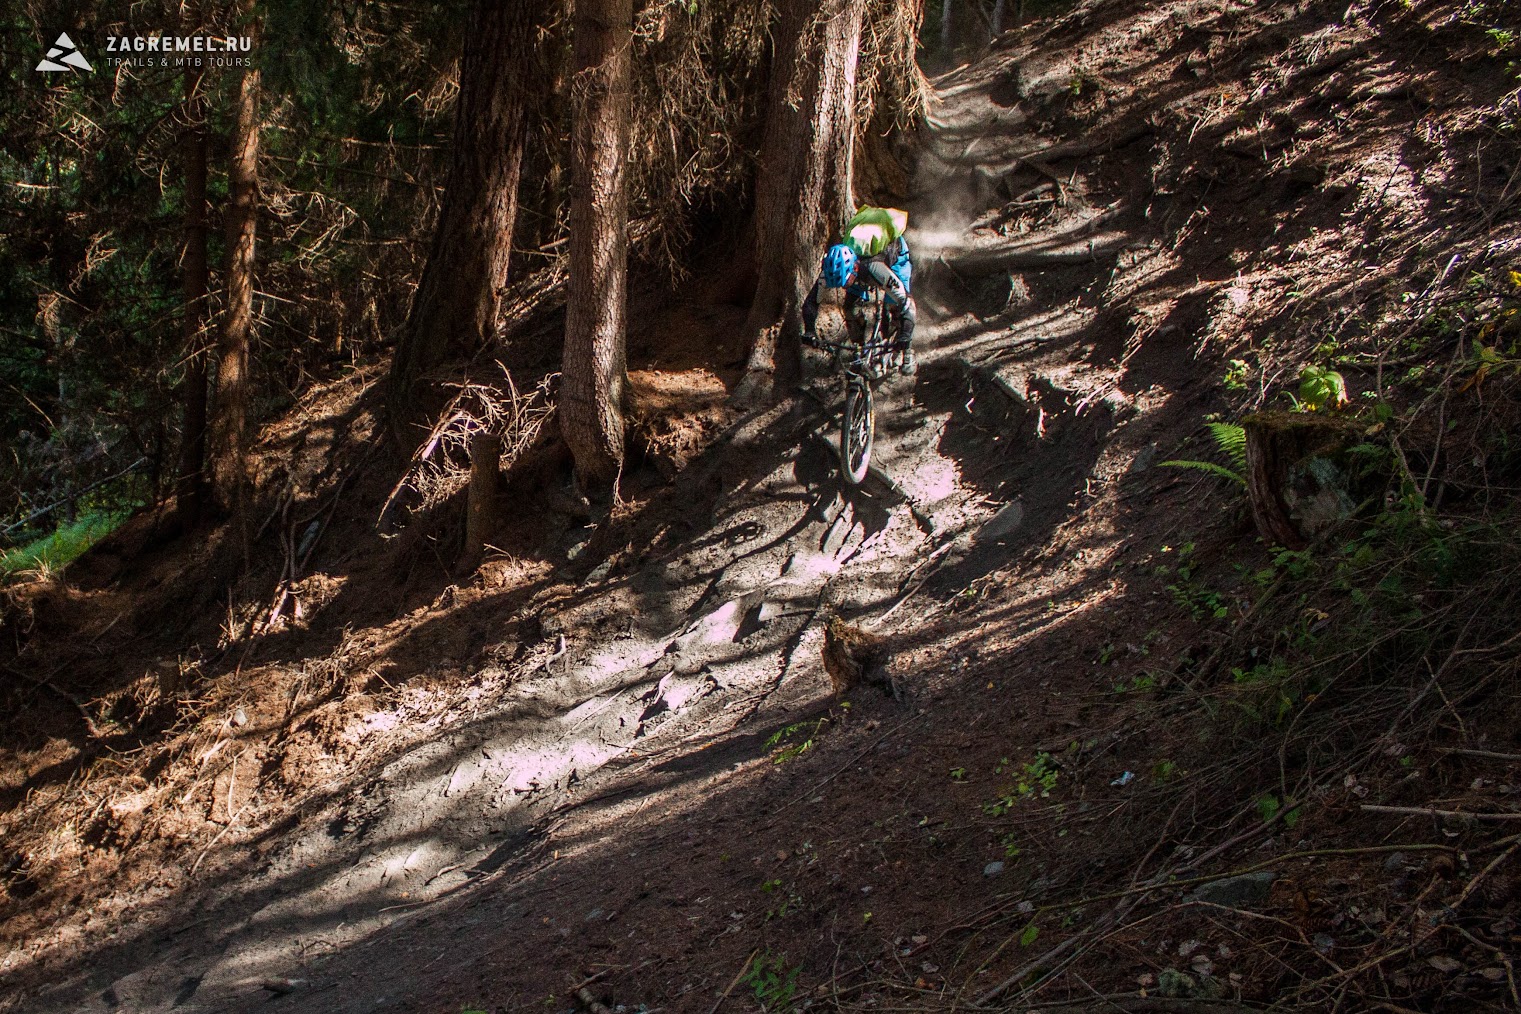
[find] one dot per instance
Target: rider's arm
(810, 311)
(888, 281)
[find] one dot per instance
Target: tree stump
(1278, 446)
(481, 517)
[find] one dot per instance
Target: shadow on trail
(311, 882)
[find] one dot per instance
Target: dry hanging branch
(440, 468)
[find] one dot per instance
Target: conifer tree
(591, 393)
(455, 308)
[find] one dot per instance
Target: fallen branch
(232, 822)
(1132, 896)
(46, 683)
(435, 472)
(1003, 350)
(1005, 258)
(1490, 754)
(920, 584)
(737, 976)
(558, 653)
(1421, 811)
(43, 512)
(327, 519)
(851, 763)
(1480, 877)
(585, 995)
(1093, 146)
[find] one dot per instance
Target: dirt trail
(650, 690)
(653, 690)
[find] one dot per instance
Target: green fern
(1230, 438)
(1210, 467)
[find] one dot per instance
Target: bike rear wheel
(857, 430)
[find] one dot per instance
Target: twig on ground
(1132, 896)
(1422, 811)
(852, 763)
(579, 990)
(46, 683)
(558, 653)
(735, 982)
(1482, 874)
(1489, 754)
(902, 599)
(231, 823)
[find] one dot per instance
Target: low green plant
(1035, 779)
(772, 982)
(1173, 983)
(64, 545)
(1138, 684)
(792, 750)
(787, 901)
(1320, 389)
(1270, 806)
(1497, 346)
(1192, 594)
(1230, 439)
(1269, 690)
(1235, 375)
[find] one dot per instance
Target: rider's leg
(909, 365)
(855, 324)
(903, 267)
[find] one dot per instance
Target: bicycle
(862, 365)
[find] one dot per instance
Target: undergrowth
(63, 545)
(1351, 667)
(1323, 714)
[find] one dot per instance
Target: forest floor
(610, 755)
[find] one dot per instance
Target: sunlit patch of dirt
(671, 417)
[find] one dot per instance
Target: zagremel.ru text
(179, 51)
(178, 44)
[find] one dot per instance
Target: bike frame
(864, 361)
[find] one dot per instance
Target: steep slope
(610, 757)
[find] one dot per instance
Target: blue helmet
(839, 266)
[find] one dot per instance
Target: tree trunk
(1278, 444)
(454, 311)
(229, 426)
(591, 388)
(803, 196)
(481, 515)
(191, 486)
(1265, 471)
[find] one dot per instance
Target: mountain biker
(873, 253)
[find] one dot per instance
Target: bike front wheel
(857, 429)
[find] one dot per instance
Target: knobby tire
(857, 430)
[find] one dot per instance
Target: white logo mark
(63, 52)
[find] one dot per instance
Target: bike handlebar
(828, 346)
